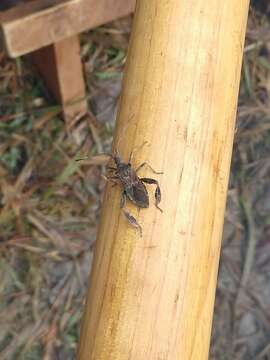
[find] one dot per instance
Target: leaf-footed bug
(134, 188)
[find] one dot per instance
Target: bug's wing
(140, 195)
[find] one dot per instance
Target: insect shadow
(133, 186)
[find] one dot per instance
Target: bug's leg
(111, 179)
(150, 167)
(111, 168)
(157, 192)
(123, 200)
(131, 219)
(114, 177)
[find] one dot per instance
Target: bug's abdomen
(138, 195)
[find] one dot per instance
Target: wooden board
(30, 26)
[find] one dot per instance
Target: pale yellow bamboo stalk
(152, 297)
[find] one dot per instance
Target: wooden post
(152, 297)
(61, 67)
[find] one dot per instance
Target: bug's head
(124, 170)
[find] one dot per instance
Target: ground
(49, 203)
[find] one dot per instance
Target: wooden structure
(48, 29)
(152, 297)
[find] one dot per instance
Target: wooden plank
(7, 4)
(27, 9)
(31, 26)
(60, 65)
(152, 297)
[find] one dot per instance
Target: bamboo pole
(152, 297)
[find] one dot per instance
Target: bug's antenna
(137, 148)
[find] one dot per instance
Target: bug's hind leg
(157, 192)
(150, 167)
(131, 219)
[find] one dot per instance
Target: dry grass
(49, 203)
(242, 321)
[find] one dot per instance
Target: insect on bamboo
(134, 188)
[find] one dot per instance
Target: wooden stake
(152, 297)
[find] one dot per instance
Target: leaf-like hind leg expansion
(150, 167)
(157, 192)
(131, 219)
